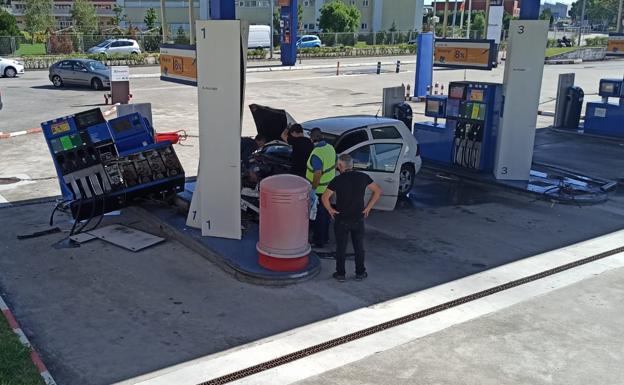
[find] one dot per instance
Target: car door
(114, 47)
(81, 74)
(65, 70)
(380, 162)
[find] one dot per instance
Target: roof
(340, 124)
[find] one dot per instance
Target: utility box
(574, 104)
(120, 85)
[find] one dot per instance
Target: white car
(383, 148)
(10, 68)
(116, 47)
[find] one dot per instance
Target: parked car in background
(116, 47)
(309, 41)
(383, 148)
(259, 37)
(80, 72)
(10, 68)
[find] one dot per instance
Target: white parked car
(10, 68)
(116, 47)
(383, 148)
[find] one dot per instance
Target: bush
(257, 53)
(42, 62)
(60, 44)
(151, 43)
(346, 39)
(596, 41)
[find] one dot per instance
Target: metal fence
(80, 43)
(69, 43)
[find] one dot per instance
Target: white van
(259, 36)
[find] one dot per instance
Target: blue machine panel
(435, 106)
(102, 166)
(605, 118)
(468, 138)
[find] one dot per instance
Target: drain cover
(9, 180)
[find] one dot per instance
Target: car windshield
(96, 65)
(103, 44)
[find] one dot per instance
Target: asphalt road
(31, 99)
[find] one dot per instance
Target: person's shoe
(361, 277)
(339, 277)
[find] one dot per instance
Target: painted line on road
(239, 358)
(34, 356)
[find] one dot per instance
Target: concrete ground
(571, 336)
(100, 314)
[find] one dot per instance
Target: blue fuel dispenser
(104, 165)
(604, 118)
(467, 138)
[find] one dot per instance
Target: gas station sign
(615, 44)
(178, 64)
(462, 53)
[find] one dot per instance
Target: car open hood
(270, 122)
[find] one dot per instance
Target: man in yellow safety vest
(321, 169)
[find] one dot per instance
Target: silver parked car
(116, 47)
(80, 72)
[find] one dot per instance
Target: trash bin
(403, 112)
(574, 105)
(284, 213)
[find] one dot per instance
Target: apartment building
(177, 12)
(62, 12)
(377, 15)
(559, 10)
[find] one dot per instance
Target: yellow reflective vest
(327, 155)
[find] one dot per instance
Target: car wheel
(96, 84)
(406, 179)
(57, 81)
(10, 72)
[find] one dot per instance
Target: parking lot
(88, 328)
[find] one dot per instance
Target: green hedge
(596, 41)
(552, 43)
(43, 62)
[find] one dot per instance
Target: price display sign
(462, 53)
(178, 64)
(615, 44)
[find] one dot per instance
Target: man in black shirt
(350, 187)
(301, 148)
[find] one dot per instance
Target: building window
(364, 26)
(365, 3)
(351, 2)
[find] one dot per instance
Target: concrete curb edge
(34, 356)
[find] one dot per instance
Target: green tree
(151, 17)
(38, 15)
(8, 24)
(596, 11)
(336, 16)
(181, 37)
(393, 27)
(119, 15)
(547, 15)
(84, 17)
(478, 23)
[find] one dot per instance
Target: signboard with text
(463, 53)
(178, 64)
(615, 44)
(120, 74)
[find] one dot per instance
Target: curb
(34, 356)
(8, 135)
(564, 61)
(292, 68)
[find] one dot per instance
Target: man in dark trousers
(321, 169)
(301, 148)
(350, 187)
